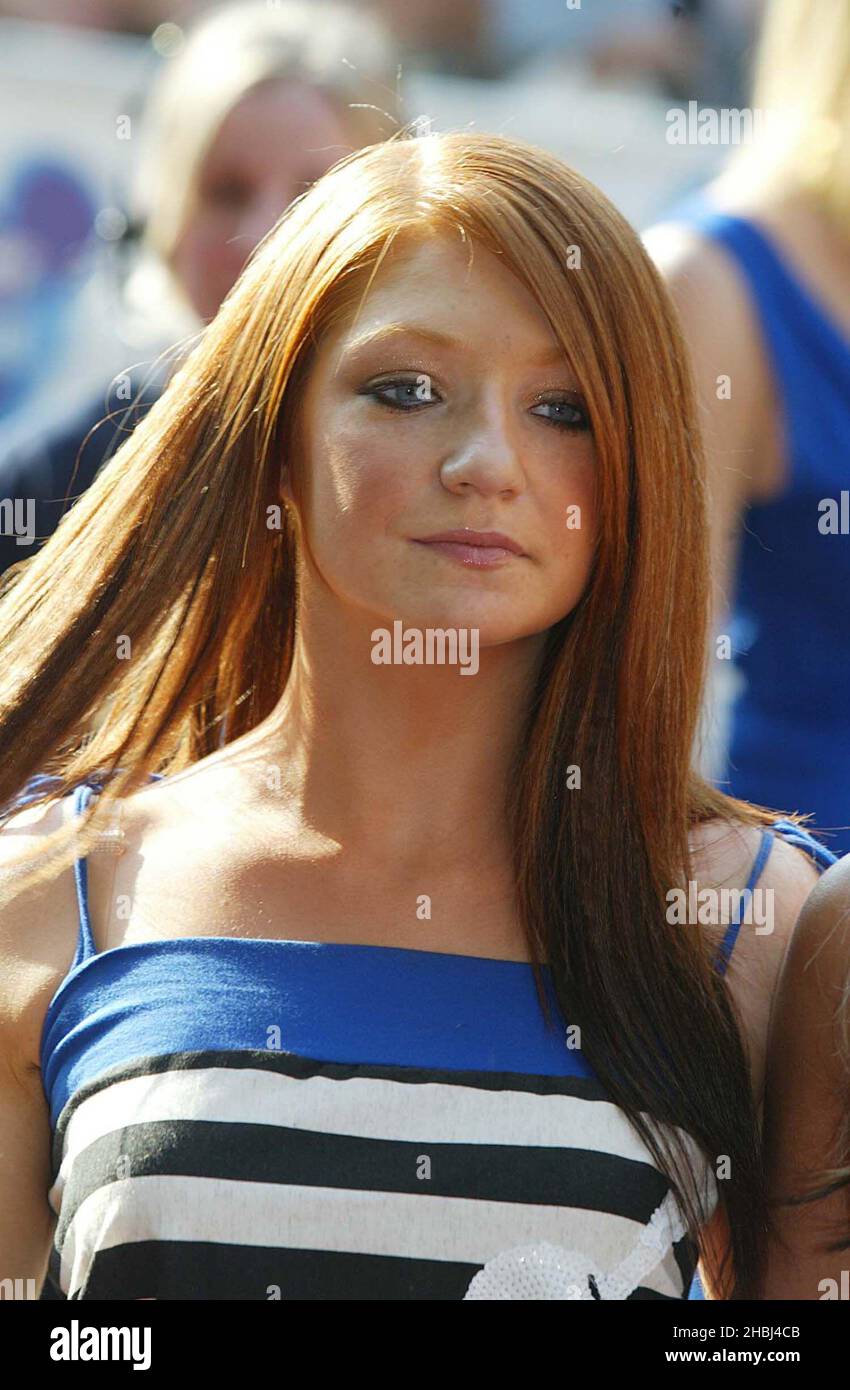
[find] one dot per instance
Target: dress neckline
(326, 949)
(465, 969)
(312, 945)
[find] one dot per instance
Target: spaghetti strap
(727, 945)
(85, 939)
(803, 839)
(795, 835)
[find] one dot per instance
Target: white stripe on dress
(415, 1226)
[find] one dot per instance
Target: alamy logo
(725, 125)
(431, 646)
(834, 517)
(17, 518)
(17, 1289)
(76, 1343)
(707, 906)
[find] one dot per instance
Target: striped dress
(240, 1118)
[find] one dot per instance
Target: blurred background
(83, 298)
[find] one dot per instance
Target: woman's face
(447, 406)
(272, 145)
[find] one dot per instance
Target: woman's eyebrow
(393, 331)
(551, 356)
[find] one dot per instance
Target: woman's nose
(487, 458)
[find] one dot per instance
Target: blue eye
(566, 414)
(412, 392)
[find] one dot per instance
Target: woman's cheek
(579, 506)
(379, 479)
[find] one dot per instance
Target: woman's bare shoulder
(37, 927)
(161, 822)
(725, 850)
(39, 924)
(721, 327)
(216, 791)
(238, 775)
(705, 283)
(824, 925)
(725, 855)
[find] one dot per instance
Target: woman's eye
(565, 414)
(404, 394)
(227, 193)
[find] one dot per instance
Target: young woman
(390, 995)
(759, 266)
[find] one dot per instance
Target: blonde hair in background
(801, 83)
(341, 52)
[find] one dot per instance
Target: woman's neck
(414, 758)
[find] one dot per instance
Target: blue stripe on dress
(342, 1003)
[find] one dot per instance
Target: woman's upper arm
(26, 1221)
(35, 938)
(724, 347)
(807, 1096)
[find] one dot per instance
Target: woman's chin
(433, 629)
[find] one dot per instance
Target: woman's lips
(478, 550)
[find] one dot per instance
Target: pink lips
(477, 549)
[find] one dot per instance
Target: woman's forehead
(446, 288)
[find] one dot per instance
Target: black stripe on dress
(195, 1270)
(588, 1179)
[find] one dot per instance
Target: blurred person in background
(693, 48)
(450, 35)
(489, 38)
(114, 16)
(759, 264)
(260, 102)
(696, 47)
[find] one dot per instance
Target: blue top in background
(790, 735)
